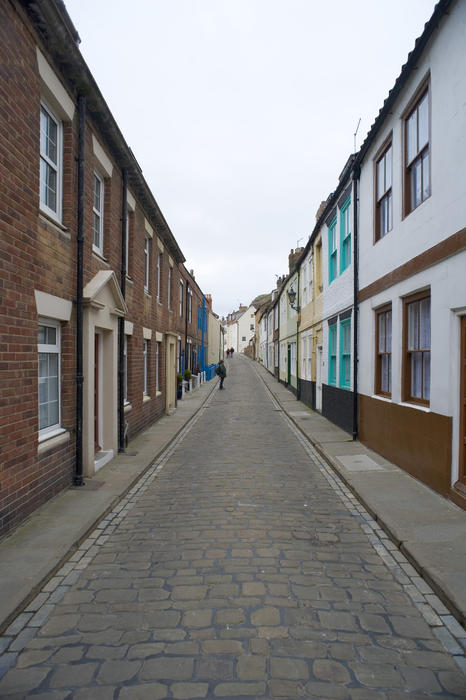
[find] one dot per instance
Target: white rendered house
(412, 263)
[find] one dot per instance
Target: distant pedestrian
(232, 350)
(228, 353)
(222, 372)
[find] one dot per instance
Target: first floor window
(332, 251)
(417, 355)
(384, 221)
(345, 354)
(50, 162)
(146, 368)
(345, 236)
(181, 297)
(169, 290)
(159, 276)
(48, 341)
(417, 154)
(383, 370)
(332, 354)
(98, 214)
(146, 262)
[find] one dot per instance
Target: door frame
(462, 405)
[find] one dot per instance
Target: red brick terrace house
(91, 319)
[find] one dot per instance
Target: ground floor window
(157, 367)
(383, 360)
(146, 368)
(332, 353)
(49, 349)
(417, 348)
(345, 354)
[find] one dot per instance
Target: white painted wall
(244, 328)
(443, 213)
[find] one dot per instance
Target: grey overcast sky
(241, 114)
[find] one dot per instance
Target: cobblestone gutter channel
(239, 565)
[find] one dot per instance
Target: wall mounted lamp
(292, 298)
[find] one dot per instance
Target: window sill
(147, 293)
(129, 279)
(49, 220)
(53, 439)
(158, 393)
(379, 397)
(127, 407)
(146, 398)
(417, 406)
(98, 255)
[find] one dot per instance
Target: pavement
(429, 530)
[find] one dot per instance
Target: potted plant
(187, 375)
(179, 385)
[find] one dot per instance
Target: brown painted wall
(416, 441)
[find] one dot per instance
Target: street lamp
(292, 298)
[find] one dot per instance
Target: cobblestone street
(238, 567)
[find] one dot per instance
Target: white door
(319, 379)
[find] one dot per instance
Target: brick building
(94, 293)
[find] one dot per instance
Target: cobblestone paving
(239, 567)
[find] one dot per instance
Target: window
(383, 360)
(345, 354)
(157, 367)
(48, 340)
(384, 203)
(181, 297)
(50, 162)
(125, 367)
(251, 326)
(145, 358)
(345, 235)
(332, 354)
(98, 214)
(159, 276)
(146, 263)
(169, 288)
(127, 244)
(332, 251)
(417, 154)
(189, 310)
(417, 349)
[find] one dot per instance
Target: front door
(462, 455)
(96, 393)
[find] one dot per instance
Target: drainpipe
(121, 320)
(203, 334)
(298, 385)
(186, 327)
(78, 477)
(355, 177)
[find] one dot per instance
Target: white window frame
(145, 355)
(125, 366)
(49, 349)
(190, 306)
(127, 244)
(157, 367)
(98, 212)
(170, 278)
(181, 298)
(146, 263)
(159, 275)
(56, 167)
